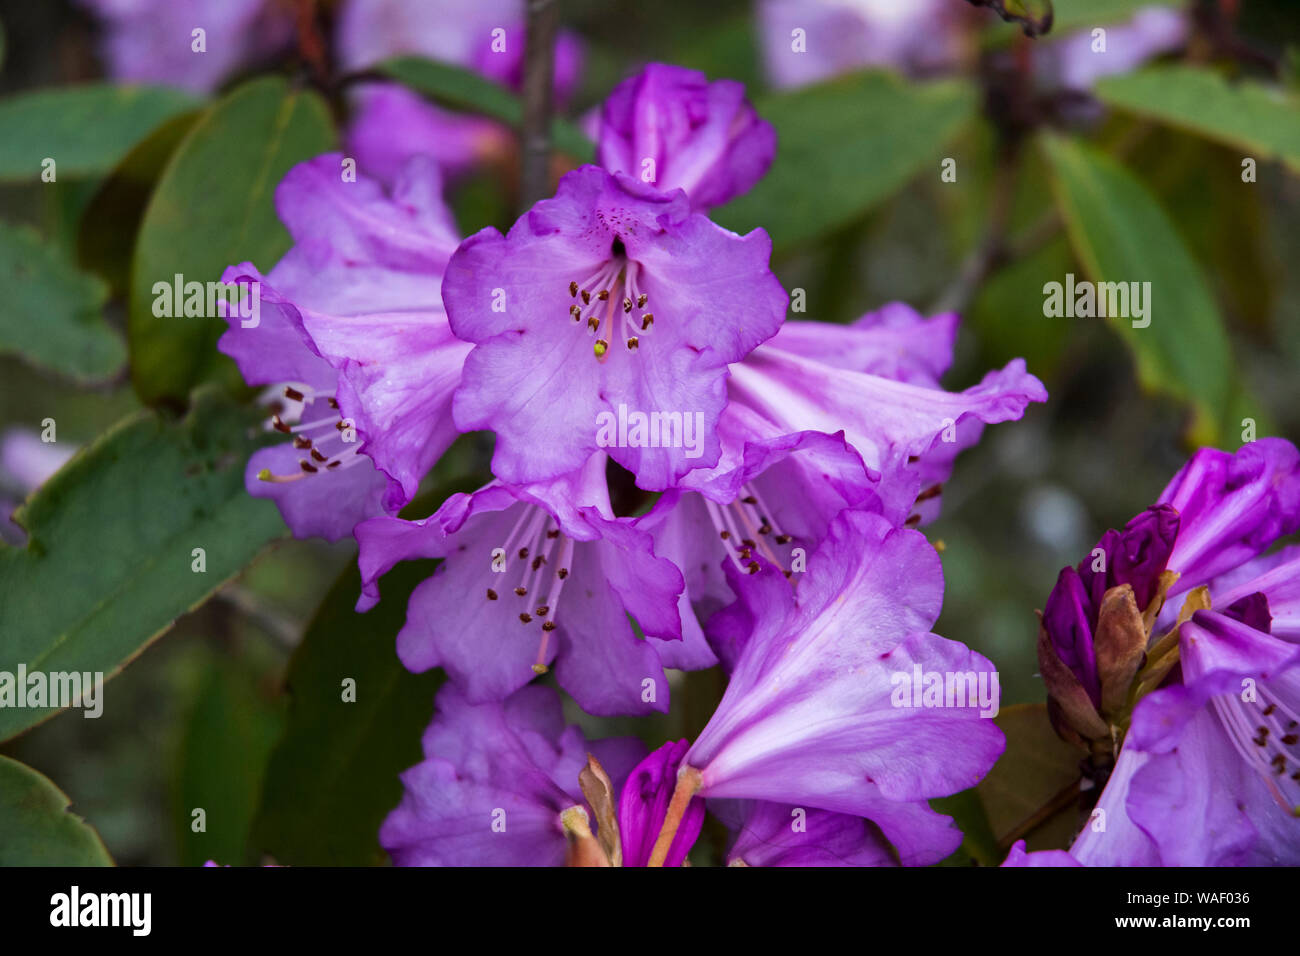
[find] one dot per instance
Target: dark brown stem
(1051, 808)
(539, 72)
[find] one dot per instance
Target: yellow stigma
(264, 474)
(600, 348)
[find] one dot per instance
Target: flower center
(611, 303)
(533, 541)
(744, 527)
(327, 444)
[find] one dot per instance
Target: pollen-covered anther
(293, 394)
(548, 626)
(573, 289)
(627, 305)
(526, 618)
(541, 610)
(586, 297)
(593, 324)
(647, 320)
(307, 466)
(603, 295)
(632, 343)
(576, 312)
(641, 300)
(521, 591)
(491, 595)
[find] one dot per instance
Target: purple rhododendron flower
(390, 124)
(353, 336)
(814, 716)
(609, 297)
(548, 561)
(643, 805)
(1020, 857)
(775, 504)
(1208, 772)
(672, 128)
(26, 463)
(868, 381)
(1075, 62)
(804, 41)
(774, 834)
(151, 41)
(494, 782)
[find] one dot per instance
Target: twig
(992, 249)
(539, 72)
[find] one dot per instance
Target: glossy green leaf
(51, 315)
(1034, 770)
(1262, 121)
(226, 742)
(334, 776)
(110, 558)
(36, 826)
(214, 207)
(843, 147)
(86, 130)
(1121, 234)
(467, 91)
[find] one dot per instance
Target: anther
(526, 618)
(576, 312)
(573, 289)
(603, 295)
(562, 573)
(641, 300)
(647, 320)
(521, 590)
(523, 553)
(538, 561)
(541, 610)
(300, 442)
(307, 466)
(593, 324)
(492, 595)
(632, 344)
(293, 394)
(318, 456)
(280, 426)
(627, 304)
(547, 626)
(586, 297)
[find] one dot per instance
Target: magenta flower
(670, 127)
(390, 124)
(611, 299)
(805, 41)
(1202, 699)
(547, 562)
(774, 834)
(643, 805)
(351, 332)
(26, 463)
(152, 41)
(877, 381)
(496, 782)
(1074, 62)
(773, 504)
(816, 714)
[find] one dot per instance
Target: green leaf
(1262, 121)
(1121, 234)
(36, 828)
(109, 559)
(845, 146)
(214, 207)
(52, 315)
(978, 845)
(1036, 768)
(86, 130)
(227, 740)
(111, 220)
(466, 91)
(334, 776)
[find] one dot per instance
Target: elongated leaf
(110, 558)
(227, 740)
(36, 827)
(843, 147)
(1036, 768)
(1122, 235)
(214, 207)
(86, 130)
(466, 91)
(1261, 121)
(51, 315)
(334, 776)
